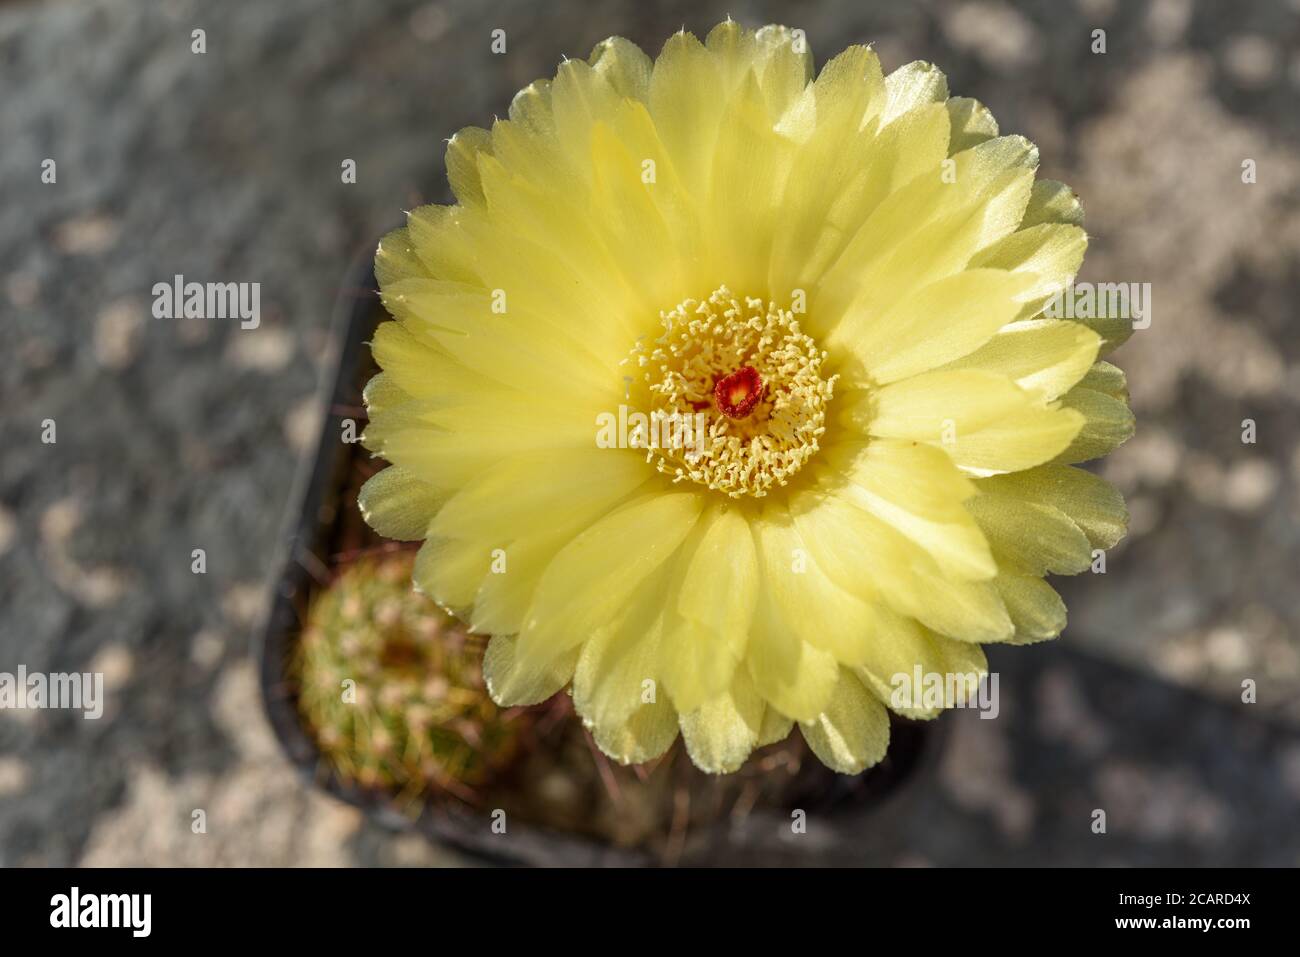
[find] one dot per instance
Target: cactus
(391, 687)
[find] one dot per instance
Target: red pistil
(738, 393)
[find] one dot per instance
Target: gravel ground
(175, 435)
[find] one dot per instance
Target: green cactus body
(391, 687)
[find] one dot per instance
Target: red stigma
(738, 393)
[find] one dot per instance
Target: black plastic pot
(841, 812)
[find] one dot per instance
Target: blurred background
(176, 435)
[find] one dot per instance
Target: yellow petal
(1043, 356)
(899, 573)
(830, 187)
(900, 647)
(974, 202)
(930, 249)
(623, 66)
(530, 282)
(580, 98)
(972, 123)
(417, 366)
(853, 732)
(396, 258)
(381, 394)
(776, 727)
(511, 684)
(714, 601)
(1089, 501)
(814, 609)
(721, 732)
(1114, 331)
(588, 582)
(510, 349)
(784, 64)
(686, 104)
(503, 597)
(935, 325)
(619, 668)
(1106, 379)
(425, 437)
(497, 510)
(750, 165)
(1030, 538)
(449, 572)
(546, 215)
(530, 109)
(911, 85)
(899, 175)
(1018, 441)
(398, 505)
(576, 485)
(1052, 202)
(462, 163)
(441, 239)
(917, 490)
(982, 420)
(646, 735)
(1107, 424)
(734, 48)
(1034, 606)
(635, 233)
(791, 675)
(1051, 252)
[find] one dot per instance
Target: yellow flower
(844, 278)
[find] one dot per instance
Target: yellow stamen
(713, 358)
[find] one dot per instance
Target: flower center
(741, 385)
(738, 393)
